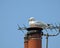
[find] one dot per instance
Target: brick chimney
(33, 38)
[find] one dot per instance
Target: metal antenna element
(19, 28)
(49, 35)
(24, 26)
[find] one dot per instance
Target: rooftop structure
(33, 37)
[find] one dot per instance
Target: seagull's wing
(41, 24)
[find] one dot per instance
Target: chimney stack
(33, 38)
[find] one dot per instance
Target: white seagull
(34, 23)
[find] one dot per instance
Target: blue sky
(13, 12)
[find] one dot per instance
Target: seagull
(34, 23)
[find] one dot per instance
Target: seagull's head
(31, 19)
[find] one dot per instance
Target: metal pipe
(47, 40)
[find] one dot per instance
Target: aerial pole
(47, 40)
